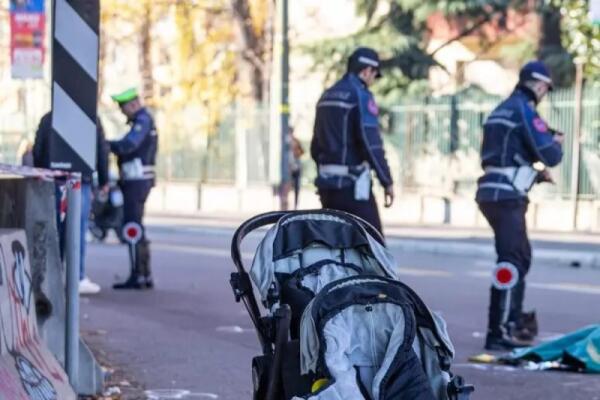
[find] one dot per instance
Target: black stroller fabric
(358, 333)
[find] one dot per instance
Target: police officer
(136, 156)
(514, 138)
(347, 144)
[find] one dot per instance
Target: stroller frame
(273, 330)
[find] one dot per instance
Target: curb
(589, 259)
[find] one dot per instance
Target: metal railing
(433, 144)
(438, 140)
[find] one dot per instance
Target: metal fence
(437, 142)
(433, 143)
(186, 154)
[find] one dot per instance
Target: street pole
(73, 240)
(575, 160)
(285, 107)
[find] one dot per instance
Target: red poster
(27, 44)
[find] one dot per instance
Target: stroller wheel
(261, 367)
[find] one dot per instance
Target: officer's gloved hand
(545, 176)
(389, 196)
(558, 136)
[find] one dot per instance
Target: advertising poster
(28, 27)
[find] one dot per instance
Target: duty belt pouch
(524, 178)
(362, 184)
(133, 169)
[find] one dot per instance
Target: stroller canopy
(302, 240)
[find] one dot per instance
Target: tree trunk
(146, 54)
(253, 51)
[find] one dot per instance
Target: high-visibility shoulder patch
(540, 125)
(372, 107)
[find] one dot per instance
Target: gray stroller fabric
(368, 341)
(374, 259)
(365, 340)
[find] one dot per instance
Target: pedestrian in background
(41, 159)
(514, 138)
(136, 157)
(347, 144)
(25, 153)
(297, 151)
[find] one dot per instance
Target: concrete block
(91, 375)
(29, 204)
(463, 212)
(28, 370)
(181, 197)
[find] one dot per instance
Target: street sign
(74, 85)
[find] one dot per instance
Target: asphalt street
(189, 339)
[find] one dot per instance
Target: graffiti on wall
(21, 277)
(37, 386)
(19, 338)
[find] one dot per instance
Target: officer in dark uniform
(347, 144)
(136, 156)
(514, 138)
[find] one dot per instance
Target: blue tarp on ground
(579, 349)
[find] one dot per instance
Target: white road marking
(484, 263)
(567, 287)
(560, 286)
(422, 272)
(419, 272)
(205, 251)
(481, 274)
(176, 394)
(233, 329)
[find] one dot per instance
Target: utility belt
(360, 174)
(136, 170)
(521, 178)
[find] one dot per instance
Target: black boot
(145, 268)
(522, 326)
(498, 338)
(135, 280)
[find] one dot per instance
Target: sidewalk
(572, 248)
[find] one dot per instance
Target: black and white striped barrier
(73, 143)
(74, 84)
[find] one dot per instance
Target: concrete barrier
(410, 207)
(28, 370)
(29, 204)
(27, 201)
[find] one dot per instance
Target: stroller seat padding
(362, 340)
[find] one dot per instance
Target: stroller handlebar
(247, 227)
(271, 218)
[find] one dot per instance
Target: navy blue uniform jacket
(140, 142)
(346, 132)
(514, 135)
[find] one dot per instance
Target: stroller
(107, 212)
(336, 324)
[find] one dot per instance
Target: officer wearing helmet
(136, 156)
(346, 143)
(514, 138)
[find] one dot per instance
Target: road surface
(189, 339)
